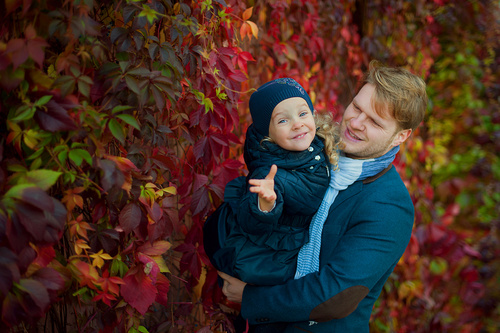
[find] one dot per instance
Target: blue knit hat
(264, 100)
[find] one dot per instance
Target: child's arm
(265, 190)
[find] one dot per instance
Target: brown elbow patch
(340, 305)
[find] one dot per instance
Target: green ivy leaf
(120, 108)
(118, 268)
(132, 84)
(209, 105)
(43, 100)
(66, 84)
(117, 130)
(24, 112)
(42, 178)
(78, 155)
(438, 266)
(17, 191)
(129, 120)
(148, 12)
(62, 156)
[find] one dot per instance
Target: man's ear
(401, 137)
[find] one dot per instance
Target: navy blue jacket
(261, 248)
(367, 230)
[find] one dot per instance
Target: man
(367, 221)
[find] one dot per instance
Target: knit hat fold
(264, 100)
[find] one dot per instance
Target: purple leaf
(130, 217)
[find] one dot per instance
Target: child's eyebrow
(277, 114)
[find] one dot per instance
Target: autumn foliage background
(122, 121)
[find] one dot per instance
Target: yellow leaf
(171, 190)
(14, 126)
(80, 244)
(30, 139)
(199, 287)
(161, 264)
(98, 258)
(151, 185)
(106, 256)
(290, 53)
(255, 29)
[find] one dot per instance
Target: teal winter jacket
(367, 230)
(261, 248)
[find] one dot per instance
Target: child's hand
(265, 189)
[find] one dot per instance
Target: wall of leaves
(122, 121)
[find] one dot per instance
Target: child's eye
(375, 123)
(281, 121)
(303, 113)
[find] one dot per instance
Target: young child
(263, 222)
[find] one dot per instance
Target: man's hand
(265, 189)
(232, 288)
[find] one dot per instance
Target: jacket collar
(377, 176)
(356, 187)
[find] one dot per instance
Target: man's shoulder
(386, 176)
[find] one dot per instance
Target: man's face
(365, 133)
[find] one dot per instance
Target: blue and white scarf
(349, 170)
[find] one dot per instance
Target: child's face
(292, 125)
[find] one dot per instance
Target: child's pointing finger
(272, 172)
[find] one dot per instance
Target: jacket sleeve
(378, 232)
(249, 216)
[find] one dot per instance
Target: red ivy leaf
(54, 117)
(35, 298)
(50, 278)
(138, 290)
(9, 271)
(130, 217)
(200, 201)
(18, 50)
(12, 311)
(155, 249)
(163, 285)
(35, 50)
(199, 181)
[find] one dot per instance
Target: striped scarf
(349, 170)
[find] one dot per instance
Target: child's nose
(298, 124)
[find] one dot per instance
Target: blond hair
(399, 92)
(328, 130)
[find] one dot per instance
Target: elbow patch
(340, 305)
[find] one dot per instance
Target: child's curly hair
(328, 130)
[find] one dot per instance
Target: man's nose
(358, 122)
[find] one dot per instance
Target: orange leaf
(247, 13)
(245, 30)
